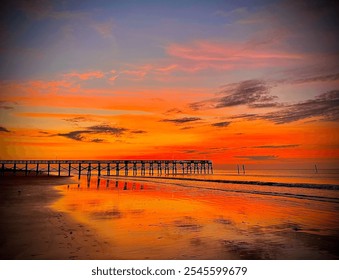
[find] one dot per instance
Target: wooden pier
(106, 167)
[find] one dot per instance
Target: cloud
(86, 75)
(77, 135)
(221, 124)
(226, 52)
(173, 111)
(6, 107)
(105, 29)
(226, 56)
(244, 116)
(187, 127)
(97, 140)
(253, 93)
(270, 157)
(320, 78)
(182, 120)
(82, 135)
(325, 106)
(276, 146)
(117, 131)
(3, 129)
(138, 131)
(77, 119)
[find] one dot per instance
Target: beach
(31, 230)
(164, 218)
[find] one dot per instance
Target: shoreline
(260, 183)
(32, 230)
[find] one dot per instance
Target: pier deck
(106, 167)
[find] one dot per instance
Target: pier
(106, 167)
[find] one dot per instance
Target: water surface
(150, 218)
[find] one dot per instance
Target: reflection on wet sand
(150, 220)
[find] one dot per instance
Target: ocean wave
(241, 182)
(284, 191)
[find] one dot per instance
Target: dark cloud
(249, 92)
(270, 157)
(138, 131)
(173, 111)
(97, 140)
(245, 116)
(253, 93)
(117, 131)
(276, 146)
(321, 78)
(3, 129)
(187, 127)
(82, 135)
(5, 105)
(221, 124)
(77, 119)
(182, 120)
(191, 151)
(77, 135)
(325, 106)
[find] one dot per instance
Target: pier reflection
(95, 182)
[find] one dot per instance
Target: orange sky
(237, 84)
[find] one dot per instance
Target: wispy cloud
(244, 116)
(82, 135)
(253, 93)
(6, 105)
(86, 75)
(182, 120)
(138, 131)
(320, 78)
(105, 29)
(77, 119)
(3, 129)
(201, 55)
(276, 146)
(325, 106)
(173, 111)
(221, 124)
(269, 157)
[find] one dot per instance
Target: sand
(30, 229)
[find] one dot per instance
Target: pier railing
(106, 167)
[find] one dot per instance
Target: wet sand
(30, 229)
(152, 219)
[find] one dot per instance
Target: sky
(236, 82)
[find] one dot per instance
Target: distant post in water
(79, 171)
